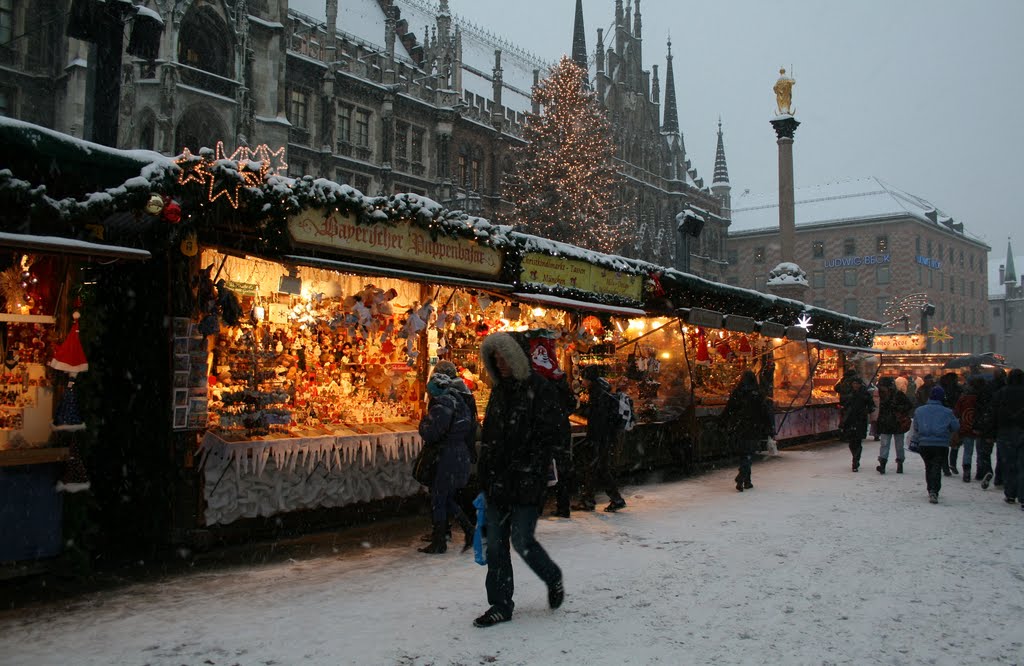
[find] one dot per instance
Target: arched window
(200, 127)
(204, 42)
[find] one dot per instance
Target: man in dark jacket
(1008, 412)
(603, 428)
(856, 408)
(747, 420)
(520, 430)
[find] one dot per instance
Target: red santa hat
(69, 356)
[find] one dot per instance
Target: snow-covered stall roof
(841, 201)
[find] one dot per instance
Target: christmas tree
(564, 183)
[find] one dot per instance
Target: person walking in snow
(446, 425)
(933, 425)
(520, 431)
(894, 410)
(746, 420)
(603, 429)
(857, 406)
(984, 423)
(966, 411)
(1008, 410)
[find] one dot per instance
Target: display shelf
(16, 457)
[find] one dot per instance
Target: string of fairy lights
(565, 183)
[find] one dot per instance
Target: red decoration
(702, 349)
(744, 345)
(724, 350)
(172, 212)
(69, 356)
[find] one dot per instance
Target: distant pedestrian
(985, 425)
(934, 423)
(746, 421)
(950, 384)
(966, 410)
(520, 431)
(924, 390)
(603, 431)
(894, 414)
(857, 407)
(1008, 409)
(999, 380)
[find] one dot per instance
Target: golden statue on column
(784, 93)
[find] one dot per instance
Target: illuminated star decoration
(804, 322)
(902, 307)
(939, 335)
(252, 167)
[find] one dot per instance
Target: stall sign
(740, 324)
(543, 269)
(702, 317)
(900, 342)
(242, 288)
(398, 243)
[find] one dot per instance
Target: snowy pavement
(815, 565)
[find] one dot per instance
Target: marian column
(787, 279)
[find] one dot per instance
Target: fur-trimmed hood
(511, 350)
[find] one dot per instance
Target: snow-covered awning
(582, 306)
(60, 245)
(402, 274)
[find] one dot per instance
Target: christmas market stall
(46, 263)
(789, 345)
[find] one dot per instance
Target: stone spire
(655, 86)
(1010, 275)
(721, 170)
(579, 39)
(637, 31)
(671, 123)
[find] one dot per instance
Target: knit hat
(438, 384)
(446, 368)
(937, 394)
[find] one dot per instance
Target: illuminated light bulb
(538, 312)
(666, 355)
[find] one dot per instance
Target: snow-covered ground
(815, 565)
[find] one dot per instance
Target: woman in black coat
(747, 420)
(894, 412)
(857, 407)
(447, 425)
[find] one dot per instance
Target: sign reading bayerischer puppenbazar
(402, 243)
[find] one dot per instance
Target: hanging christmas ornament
(189, 244)
(67, 417)
(744, 346)
(724, 350)
(154, 204)
(69, 356)
(172, 212)
(703, 358)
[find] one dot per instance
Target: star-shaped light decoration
(193, 170)
(804, 322)
(939, 335)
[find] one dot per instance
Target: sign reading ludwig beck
(542, 269)
(400, 243)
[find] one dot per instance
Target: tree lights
(564, 184)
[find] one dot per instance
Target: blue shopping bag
(479, 537)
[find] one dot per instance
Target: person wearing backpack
(603, 428)
(747, 420)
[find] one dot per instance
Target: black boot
(468, 528)
(746, 482)
(439, 544)
(967, 473)
(739, 482)
(881, 466)
(953, 453)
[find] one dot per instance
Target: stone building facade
(385, 95)
(866, 245)
(1007, 313)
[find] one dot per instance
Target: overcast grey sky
(925, 94)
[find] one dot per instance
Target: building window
(818, 249)
(6, 21)
(917, 245)
(759, 255)
(952, 312)
(850, 278)
(972, 288)
(362, 183)
(342, 177)
(950, 256)
(974, 319)
(345, 124)
(942, 311)
(929, 247)
(942, 282)
(401, 140)
(298, 168)
(962, 290)
(849, 247)
(818, 279)
(920, 276)
(362, 137)
(961, 261)
(882, 242)
(931, 278)
(881, 303)
(850, 306)
(147, 135)
(972, 261)
(478, 175)
(733, 257)
(463, 170)
(882, 275)
(952, 284)
(417, 145)
(297, 109)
